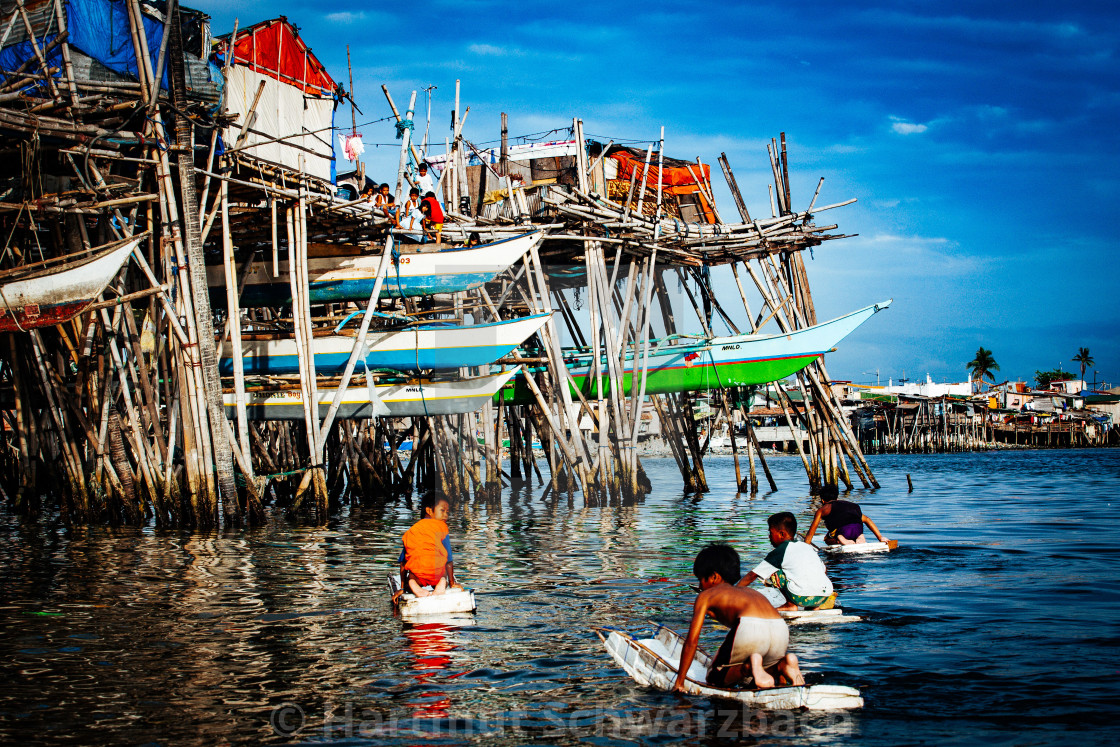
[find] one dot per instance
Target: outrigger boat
(715, 362)
(409, 398)
(420, 270)
(653, 662)
(57, 290)
(423, 347)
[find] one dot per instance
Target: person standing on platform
(424, 181)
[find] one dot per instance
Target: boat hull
(352, 278)
(653, 662)
(718, 363)
(397, 400)
(451, 602)
(424, 348)
(50, 298)
(860, 548)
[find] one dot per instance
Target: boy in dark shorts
(755, 647)
(844, 521)
(793, 568)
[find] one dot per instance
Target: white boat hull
(416, 272)
(817, 617)
(54, 296)
(451, 602)
(423, 348)
(653, 661)
(399, 400)
(859, 547)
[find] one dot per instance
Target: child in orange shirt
(426, 557)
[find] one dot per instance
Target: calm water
(996, 622)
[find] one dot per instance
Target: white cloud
(490, 49)
(345, 17)
(902, 127)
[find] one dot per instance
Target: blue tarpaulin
(100, 29)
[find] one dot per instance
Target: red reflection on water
(429, 643)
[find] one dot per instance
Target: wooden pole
(233, 308)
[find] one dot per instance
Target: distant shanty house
(1010, 395)
(928, 388)
(1068, 386)
(284, 100)
(94, 38)
(1104, 406)
(531, 168)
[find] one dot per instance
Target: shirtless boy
(755, 647)
(844, 521)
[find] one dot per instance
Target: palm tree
(983, 365)
(1084, 359)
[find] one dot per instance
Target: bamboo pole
(233, 308)
(644, 334)
(67, 63)
(360, 340)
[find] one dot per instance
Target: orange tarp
(675, 172)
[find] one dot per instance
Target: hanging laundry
(352, 147)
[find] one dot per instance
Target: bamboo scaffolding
(128, 397)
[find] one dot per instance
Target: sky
(980, 140)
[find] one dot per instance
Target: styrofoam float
(653, 661)
(452, 601)
(860, 547)
(805, 617)
(802, 617)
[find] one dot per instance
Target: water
(995, 622)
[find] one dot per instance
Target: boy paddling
(844, 521)
(793, 568)
(755, 647)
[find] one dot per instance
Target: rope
(402, 125)
(242, 482)
(396, 255)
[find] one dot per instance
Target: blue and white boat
(390, 399)
(419, 270)
(424, 347)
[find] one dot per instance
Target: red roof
(274, 48)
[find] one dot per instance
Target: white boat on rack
(57, 290)
(409, 398)
(430, 346)
(653, 662)
(451, 602)
(338, 274)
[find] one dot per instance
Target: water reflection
(129, 636)
(432, 645)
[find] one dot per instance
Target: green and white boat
(694, 365)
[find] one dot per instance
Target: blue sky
(980, 140)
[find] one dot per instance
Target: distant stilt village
(927, 417)
(203, 318)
